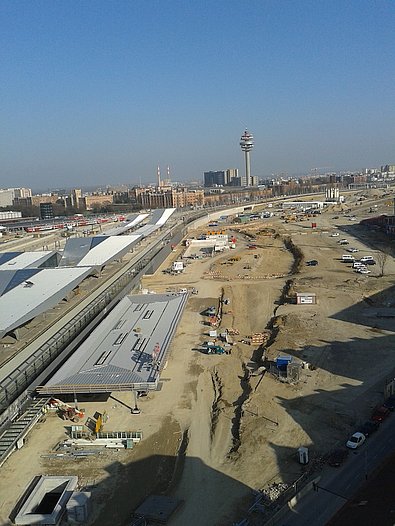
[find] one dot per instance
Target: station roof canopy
(126, 225)
(20, 260)
(26, 293)
(126, 351)
(96, 251)
(161, 216)
(158, 219)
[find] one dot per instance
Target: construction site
(250, 376)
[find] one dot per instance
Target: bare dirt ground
(239, 433)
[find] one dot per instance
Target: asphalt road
(318, 507)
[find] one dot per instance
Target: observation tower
(247, 144)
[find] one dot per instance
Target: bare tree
(381, 260)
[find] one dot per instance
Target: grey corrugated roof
(120, 351)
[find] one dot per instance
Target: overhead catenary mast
(247, 144)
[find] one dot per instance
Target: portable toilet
(282, 362)
(303, 455)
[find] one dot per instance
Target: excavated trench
(274, 328)
(238, 413)
(215, 408)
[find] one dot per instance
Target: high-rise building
(22, 192)
(46, 211)
(230, 174)
(247, 144)
(76, 195)
(214, 178)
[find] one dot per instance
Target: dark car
(337, 457)
(312, 263)
(380, 413)
(390, 403)
(370, 262)
(369, 427)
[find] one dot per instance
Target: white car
(356, 440)
(335, 234)
(363, 270)
(352, 249)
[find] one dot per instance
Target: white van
(366, 258)
(348, 257)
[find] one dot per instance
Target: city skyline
(98, 93)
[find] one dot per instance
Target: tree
(381, 261)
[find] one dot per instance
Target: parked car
(380, 413)
(356, 440)
(390, 403)
(370, 262)
(337, 457)
(364, 259)
(312, 263)
(348, 258)
(335, 234)
(369, 427)
(358, 264)
(343, 242)
(361, 270)
(352, 250)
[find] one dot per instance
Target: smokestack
(158, 176)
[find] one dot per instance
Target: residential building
(168, 197)
(6, 197)
(92, 201)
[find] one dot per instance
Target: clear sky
(96, 92)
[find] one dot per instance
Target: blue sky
(97, 92)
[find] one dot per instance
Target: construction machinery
(66, 411)
(214, 349)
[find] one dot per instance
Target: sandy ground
(239, 433)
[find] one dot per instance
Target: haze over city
(101, 92)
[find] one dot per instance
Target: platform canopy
(126, 351)
(96, 251)
(20, 260)
(129, 224)
(157, 220)
(26, 293)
